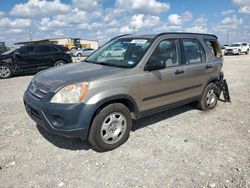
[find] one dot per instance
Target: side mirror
(155, 65)
(16, 52)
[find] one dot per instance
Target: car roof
(153, 36)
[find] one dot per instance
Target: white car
(114, 52)
(237, 48)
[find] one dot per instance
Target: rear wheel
(247, 52)
(110, 127)
(59, 63)
(209, 98)
(5, 71)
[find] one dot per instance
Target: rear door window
(27, 50)
(44, 49)
(214, 47)
(194, 53)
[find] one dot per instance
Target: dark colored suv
(100, 96)
(32, 58)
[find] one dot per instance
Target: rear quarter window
(213, 47)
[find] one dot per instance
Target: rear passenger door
(198, 68)
(45, 57)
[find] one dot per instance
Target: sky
(103, 19)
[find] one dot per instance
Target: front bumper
(231, 52)
(69, 120)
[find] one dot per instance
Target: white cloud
(177, 20)
(229, 23)
(143, 7)
(199, 25)
(86, 4)
(174, 19)
(2, 14)
(6, 23)
(126, 29)
(142, 21)
(227, 12)
(39, 8)
(196, 29)
(244, 6)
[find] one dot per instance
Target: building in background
(69, 42)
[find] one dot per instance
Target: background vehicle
(101, 95)
(83, 53)
(114, 52)
(32, 58)
(237, 48)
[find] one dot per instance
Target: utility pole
(30, 31)
(30, 34)
(228, 38)
(134, 29)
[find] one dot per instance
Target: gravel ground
(182, 147)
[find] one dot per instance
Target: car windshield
(9, 51)
(235, 45)
(121, 52)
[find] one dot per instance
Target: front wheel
(5, 72)
(110, 127)
(209, 98)
(247, 52)
(59, 63)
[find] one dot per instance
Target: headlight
(74, 93)
(7, 60)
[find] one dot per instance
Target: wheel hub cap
(211, 98)
(4, 71)
(113, 128)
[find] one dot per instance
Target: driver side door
(23, 59)
(165, 86)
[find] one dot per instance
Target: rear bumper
(71, 120)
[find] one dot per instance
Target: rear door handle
(179, 72)
(209, 66)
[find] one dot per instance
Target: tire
(247, 52)
(110, 127)
(209, 97)
(5, 72)
(79, 55)
(59, 63)
(239, 52)
(108, 55)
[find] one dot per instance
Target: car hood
(5, 56)
(76, 72)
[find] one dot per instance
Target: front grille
(38, 90)
(229, 50)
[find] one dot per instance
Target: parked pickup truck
(237, 48)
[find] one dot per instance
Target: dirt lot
(182, 147)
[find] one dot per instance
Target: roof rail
(119, 36)
(167, 33)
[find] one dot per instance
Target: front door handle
(179, 72)
(209, 66)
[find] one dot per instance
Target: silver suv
(97, 99)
